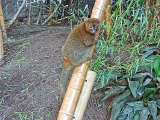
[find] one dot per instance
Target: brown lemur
(76, 51)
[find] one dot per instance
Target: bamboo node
(61, 111)
(79, 77)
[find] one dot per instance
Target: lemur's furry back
(76, 51)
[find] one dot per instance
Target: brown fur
(76, 51)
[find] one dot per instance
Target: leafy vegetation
(128, 63)
(136, 94)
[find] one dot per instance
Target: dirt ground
(29, 78)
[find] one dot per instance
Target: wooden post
(108, 14)
(2, 24)
(2, 35)
(40, 12)
(50, 12)
(1, 49)
(30, 14)
(75, 86)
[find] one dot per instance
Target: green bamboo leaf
(134, 85)
(137, 105)
(156, 65)
(144, 114)
(153, 108)
(112, 91)
(112, 74)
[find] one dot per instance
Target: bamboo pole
(1, 49)
(75, 86)
(2, 24)
(40, 12)
(30, 14)
(108, 14)
(85, 94)
(50, 12)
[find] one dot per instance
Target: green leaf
(158, 85)
(137, 105)
(148, 93)
(112, 91)
(144, 114)
(118, 98)
(147, 81)
(150, 50)
(140, 91)
(122, 117)
(156, 65)
(141, 1)
(133, 85)
(158, 117)
(153, 108)
(130, 116)
(116, 109)
(137, 116)
(127, 110)
(113, 74)
(158, 103)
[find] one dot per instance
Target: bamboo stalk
(50, 12)
(1, 49)
(40, 12)
(108, 14)
(85, 94)
(30, 14)
(75, 86)
(2, 24)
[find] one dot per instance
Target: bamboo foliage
(75, 86)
